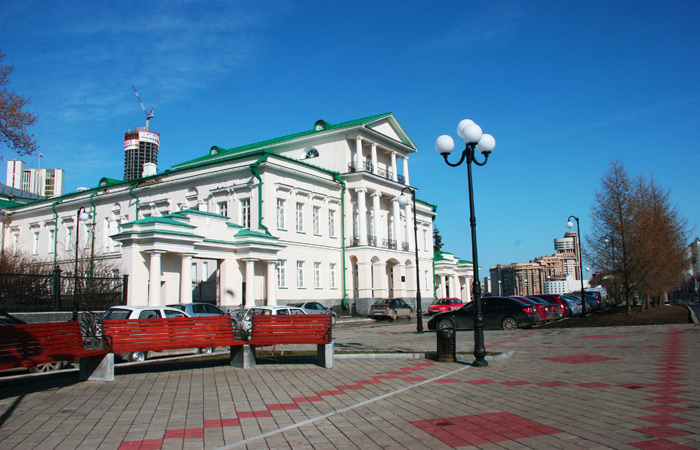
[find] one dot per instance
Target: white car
(144, 312)
(267, 310)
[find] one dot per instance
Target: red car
(566, 309)
(444, 305)
(542, 314)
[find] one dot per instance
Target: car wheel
(333, 319)
(48, 367)
(137, 357)
(509, 323)
(394, 315)
(410, 315)
(444, 324)
(206, 351)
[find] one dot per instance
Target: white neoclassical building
(310, 216)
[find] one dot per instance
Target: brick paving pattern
(624, 388)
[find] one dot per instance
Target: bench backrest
(20, 342)
(135, 335)
(291, 329)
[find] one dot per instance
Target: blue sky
(566, 88)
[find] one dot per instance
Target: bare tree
(14, 120)
(637, 239)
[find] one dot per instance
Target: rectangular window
(282, 274)
(193, 272)
(317, 220)
(300, 274)
(69, 238)
(223, 208)
(332, 275)
(245, 213)
(281, 220)
(317, 275)
(35, 243)
(331, 223)
(425, 239)
(51, 241)
(300, 217)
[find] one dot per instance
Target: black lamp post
(81, 217)
(473, 137)
(570, 224)
(403, 200)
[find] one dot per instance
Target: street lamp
(403, 201)
(473, 137)
(82, 217)
(570, 224)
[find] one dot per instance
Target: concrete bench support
(243, 356)
(325, 355)
(97, 368)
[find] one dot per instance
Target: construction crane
(149, 114)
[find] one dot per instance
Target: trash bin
(446, 348)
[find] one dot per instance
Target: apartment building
(43, 182)
(310, 216)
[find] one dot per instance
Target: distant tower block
(140, 147)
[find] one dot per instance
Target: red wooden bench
(30, 345)
(290, 329)
(157, 335)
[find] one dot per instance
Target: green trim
(216, 152)
(136, 206)
(255, 169)
(342, 236)
(105, 182)
(247, 232)
(55, 231)
(178, 233)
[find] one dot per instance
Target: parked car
(199, 309)
(574, 304)
(247, 323)
(592, 303)
(392, 308)
(316, 308)
(9, 319)
(499, 312)
(444, 305)
(559, 305)
(143, 312)
(544, 312)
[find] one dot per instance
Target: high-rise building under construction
(140, 147)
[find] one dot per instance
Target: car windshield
(385, 301)
(180, 307)
(443, 301)
(116, 314)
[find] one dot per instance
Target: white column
(271, 284)
(362, 215)
(186, 278)
(250, 282)
(405, 171)
(468, 289)
(358, 153)
(409, 226)
(377, 218)
(443, 287)
(374, 157)
(154, 277)
(455, 288)
(397, 222)
(399, 286)
(394, 175)
(364, 279)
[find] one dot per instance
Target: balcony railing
(372, 241)
(367, 166)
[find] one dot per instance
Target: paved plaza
(593, 388)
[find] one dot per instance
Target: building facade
(544, 275)
(43, 182)
(310, 216)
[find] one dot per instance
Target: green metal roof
(321, 126)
